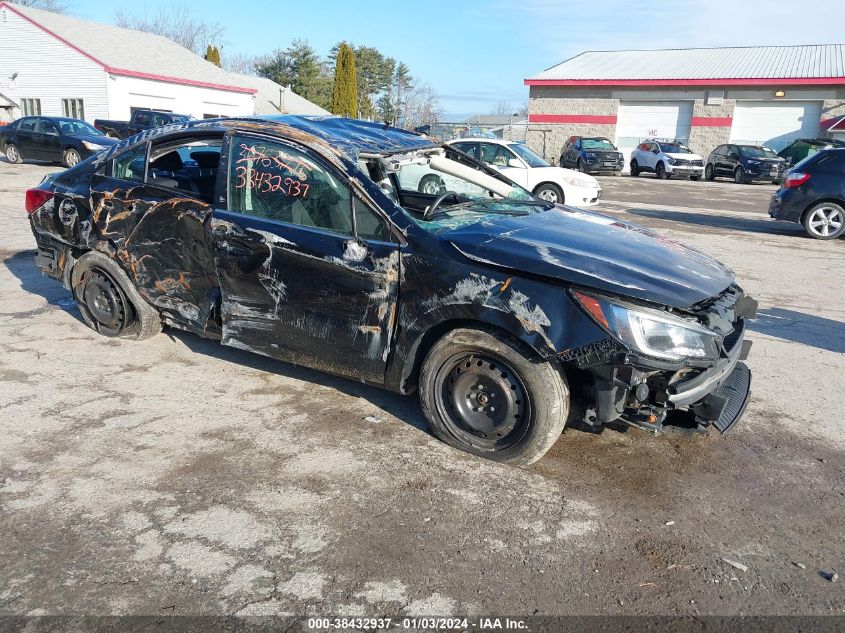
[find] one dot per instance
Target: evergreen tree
(345, 93)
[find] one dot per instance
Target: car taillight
(35, 198)
(795, 178)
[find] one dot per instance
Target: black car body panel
(755, 163)
(576, 152)
(290, 291)
(826, 183)
(50, 137)
(139, 121)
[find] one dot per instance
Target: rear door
(308, 272)
(47, 140)
(25, 137)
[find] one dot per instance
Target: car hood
(595, 251)
(105, 141)
(685, 156)
(557, 174)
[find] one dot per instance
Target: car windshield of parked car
(528, 156)
(78, 128)
(476, 192)
(674, 148)
(750, 151)
(596, 143)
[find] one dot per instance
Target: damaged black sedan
(317, 242)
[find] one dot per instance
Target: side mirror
(655, 151)
(515, 162)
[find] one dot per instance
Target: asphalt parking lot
(175, 476)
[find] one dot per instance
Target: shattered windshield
(470, 191)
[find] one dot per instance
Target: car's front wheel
(71, 157)
(709, 174)
(13, 154)
(660, 171)
(550, 192)
(825, 221)
(739, 176)
(491, 396)
(635, 168)
(581, 167)
(108, 300)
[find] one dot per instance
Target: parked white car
(666, 158)
(529, 170)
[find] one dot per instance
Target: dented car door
(298, 282)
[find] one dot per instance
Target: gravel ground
(176, 476)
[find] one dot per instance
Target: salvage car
(529, 170)
(54, 139)
(666, 158)
(309, 241)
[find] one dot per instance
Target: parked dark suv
(801, 148)
(813, 193)
(591, 154)
(744, 163)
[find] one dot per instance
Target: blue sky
(475, 53)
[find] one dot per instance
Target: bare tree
(239, 63)
(56, 6)
(177, 23)
(420, 106)
(502, 108)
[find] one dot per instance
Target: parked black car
(139, 121)
(591, 154)
(801, 148)
(744, 163)
(54, 139)
(813, 193)
(309, 241)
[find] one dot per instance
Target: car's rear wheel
(739, 176)
(709, 174)
(635, 168)
(13, 154)
(432, 184)
(549, 192)
(825, 221)
(108, 300)
(491, 396)
(71, 157)
(660, 171)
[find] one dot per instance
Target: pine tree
(208, 53)
(345, 93)
(215, 56)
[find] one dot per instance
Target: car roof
(480, 139)
(349, 137)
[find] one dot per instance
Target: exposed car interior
(190, 165)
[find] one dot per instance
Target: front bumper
(581, 196)
(685, 170)
(599, 165)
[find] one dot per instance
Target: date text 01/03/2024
(439, 624)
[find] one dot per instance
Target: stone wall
(703, 139)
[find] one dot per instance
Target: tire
(709, 173)
(71, 158)
(824, 221)
(695, 178)
(431, 184)
(739, 176)
(549, 192)
(108, 300)
(635, 168)
(660, 171)
(517, 434)
(580, 165)
(13, 154)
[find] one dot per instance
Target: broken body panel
(370, 308)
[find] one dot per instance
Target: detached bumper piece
(724, 406)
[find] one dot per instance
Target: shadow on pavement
(765, 226)
(30, 278)
(803, 328)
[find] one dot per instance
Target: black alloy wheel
(106, 304)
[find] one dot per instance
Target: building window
(73, 108)
(30, 107)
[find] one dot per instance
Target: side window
(160, 119)
(468, 148)
(577, 143)
(189, 165)
(268, 179)
(368, 225)
(46, 127)
(130, 165)
(142, 118)
(27, 125)
(495, 155)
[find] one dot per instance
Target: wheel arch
(830, 199)
(557, 185)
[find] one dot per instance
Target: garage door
(637, 121)
(775, 125)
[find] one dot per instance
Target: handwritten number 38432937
(266, 182)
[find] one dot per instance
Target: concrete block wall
(705, 137)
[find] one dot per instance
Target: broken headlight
(650, 332)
